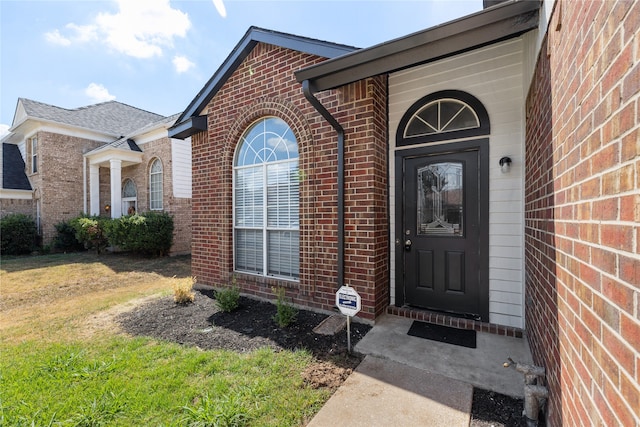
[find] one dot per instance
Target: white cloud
(4, 130)
(98, 93)
(219, 4)
(75, 34)
(83, 33)
(54, 37)
(182, 64)
(140, 28)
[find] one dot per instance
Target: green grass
(70, 378)
(126, 382)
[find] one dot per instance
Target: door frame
(481, 145)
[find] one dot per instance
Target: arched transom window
(129, 197)
(129, 189)
(266, 201)
(444, 115)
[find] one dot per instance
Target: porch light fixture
(107, 208)
(505, 164)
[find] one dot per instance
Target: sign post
(349, 304)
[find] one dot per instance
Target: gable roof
(13, 169)
(127, 143)
(500, 22)
(190, 122)
(112, 117)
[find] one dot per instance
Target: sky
(157, 54)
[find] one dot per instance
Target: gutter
(307, 90)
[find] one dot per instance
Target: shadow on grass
(179, 266)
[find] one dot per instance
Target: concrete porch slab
(481, 367)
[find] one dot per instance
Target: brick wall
(179, 208)
(16, 206)
(59, 189)
(583, 213)
(264, 85)
(58, 182)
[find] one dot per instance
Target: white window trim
(126, 200)
(265, 228)
(33, 144)
(161, 183)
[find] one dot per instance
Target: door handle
(407, 245)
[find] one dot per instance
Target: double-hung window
(34, 154)
(266, 201)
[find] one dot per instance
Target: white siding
(181, 163)
(494, 75)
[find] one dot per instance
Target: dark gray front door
(442, 234)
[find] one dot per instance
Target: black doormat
(455, 336)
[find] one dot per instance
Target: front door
(444, 231)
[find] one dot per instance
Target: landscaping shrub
(183, 290)
(17, 234)
(66, 240)
(150, 233)
(228, 299)
(90, 231)
(286, 313)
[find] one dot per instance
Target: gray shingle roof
(128, 144)
(112, 117)
(13, 174)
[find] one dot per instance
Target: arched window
(129, 197)
(266, 201)
(441, 116)
(155, 185)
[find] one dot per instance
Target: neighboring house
(105, 159)
(482, 174)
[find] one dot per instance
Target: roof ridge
(113, 101)
(86, 107)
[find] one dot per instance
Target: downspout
(84, 184)
(306, 89)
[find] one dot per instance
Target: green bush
(286, 313)
(150, 233)
(90, 231)
(17, 234)
(228, 299)
(66, 240)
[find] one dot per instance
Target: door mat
(446, 334)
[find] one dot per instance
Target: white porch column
(94, 189)
(116, 188)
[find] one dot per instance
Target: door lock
(407, 245)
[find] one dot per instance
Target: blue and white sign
(348, 301)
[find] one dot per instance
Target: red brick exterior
(583, 213)
(58, 183)
(179, 208)
(264, 85)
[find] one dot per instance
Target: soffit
(494, 24)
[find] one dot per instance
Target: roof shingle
(13, 174)
(112, 117)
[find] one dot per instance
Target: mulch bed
(251, 326)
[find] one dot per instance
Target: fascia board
(110, 153)
(7, 193)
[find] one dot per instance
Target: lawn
(64, 361)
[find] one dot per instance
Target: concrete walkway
(412, 381)
(385, 393)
